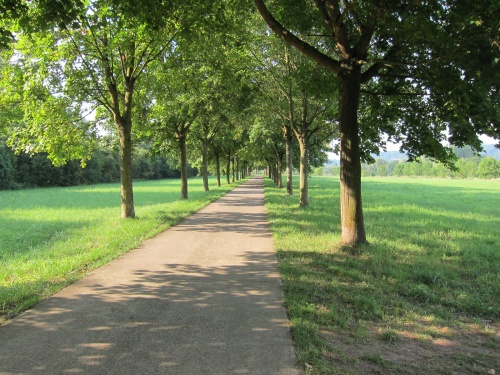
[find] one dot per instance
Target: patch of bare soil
(421, 347)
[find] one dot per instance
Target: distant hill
(390, 155)
(489, 150)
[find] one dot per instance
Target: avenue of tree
(226, 85)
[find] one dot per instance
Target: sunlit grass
(52, 237)
(428, 283)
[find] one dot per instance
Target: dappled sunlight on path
(203, 297)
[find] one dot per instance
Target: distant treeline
(473, 167)
(25, 171)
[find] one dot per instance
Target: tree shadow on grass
(412, 320)
(424, 297)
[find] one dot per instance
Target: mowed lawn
(51, 237)
(422, 298)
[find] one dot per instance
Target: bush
(7, 171)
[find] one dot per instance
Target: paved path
(203, 297)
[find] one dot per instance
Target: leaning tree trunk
(126, 189)
(204, 152)
(351, 208)
(184, 179)
(303, 173)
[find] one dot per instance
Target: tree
(296, 98)
(95, 61)
(276, 90)
(102, 51)
(488, 168)
(424, 67)
(172, 118)
(313, 125)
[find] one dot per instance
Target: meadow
(51, 237)
(422, 298)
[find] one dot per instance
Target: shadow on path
(209, 305)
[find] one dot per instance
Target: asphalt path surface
(203, 297)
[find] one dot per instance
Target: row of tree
(210, 83)
(475, 167)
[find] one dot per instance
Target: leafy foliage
(25, 171)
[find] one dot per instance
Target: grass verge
(49, 238)
(422, 298)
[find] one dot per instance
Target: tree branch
(379, 65)
(101, 97)
(393, 93)
(322, 59)
(339, 29)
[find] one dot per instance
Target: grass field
(422, 298)
(49, 238)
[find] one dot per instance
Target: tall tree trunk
(184, 178)
(351, 208)
(204, 152)
(217, 167)
(126, 188)
(233, 166)
(303, 173)
(289, 160)
(288, 128)
(228, 168)
(123, 123)
(279, 168)
(237, 169)
(302, 135)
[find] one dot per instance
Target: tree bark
(217, 167)
(233, 166)
(279, 167)
(351, 208)
(123, 124)
(126, 187)
(289, 160)
(184, 179)
(288, 128)
(303, 173)
(228, 168)
(302, 134)
(204, 152)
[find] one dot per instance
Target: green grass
(49, 238)
(422, 297)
